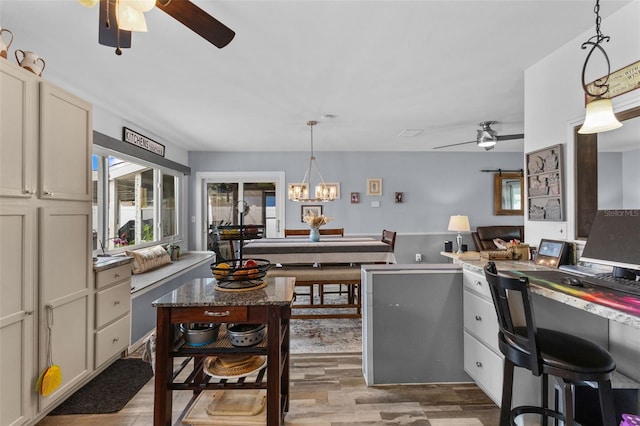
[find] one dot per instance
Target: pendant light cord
(595, 42)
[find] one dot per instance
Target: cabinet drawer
(112, 303)
(113, 275)
(111, 340)
(480, 319)
(210, 314)
(477, 283)
(484, 366)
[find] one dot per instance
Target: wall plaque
(620, 82)
(142, 141)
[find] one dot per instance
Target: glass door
(230, 204)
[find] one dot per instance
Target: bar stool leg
(507, 392)
(545, 396)
(568, 404)
(606, 403)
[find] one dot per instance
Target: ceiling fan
(487, 137)
(113, 33)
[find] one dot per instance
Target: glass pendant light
(299, 192)
(599, 115)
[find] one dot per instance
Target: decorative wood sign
(142, 141)
(620, 82)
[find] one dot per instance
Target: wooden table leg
(162, 400)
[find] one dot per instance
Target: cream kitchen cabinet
(18, 132)
(113, 306)
(66, 136)
(45, 249)
(66, 288)
(43, 123)
(17, 286)
(482, 358)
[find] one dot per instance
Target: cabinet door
(66, 287)
(18, 131)
(17, 334)
(65, 145)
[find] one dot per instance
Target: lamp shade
(459, 223)
(599, 117)
(129, 18)
(486, 138)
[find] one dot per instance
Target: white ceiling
(378, 66)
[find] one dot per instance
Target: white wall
(554, 102)
(108, 123)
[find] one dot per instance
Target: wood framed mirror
(507, 194)
(586, 174)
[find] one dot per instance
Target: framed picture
(355, 197)
(544, 184)
(374, 186)
(399, 197)
(307, 210)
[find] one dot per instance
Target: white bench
(310, 276)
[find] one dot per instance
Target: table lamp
(459, 223)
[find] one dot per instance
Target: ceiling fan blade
(510, 137)
(198, 20)
(108, 32)
(453, 144)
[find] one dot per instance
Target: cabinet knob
(48, 193)
(117, 275)
(29, 312)
(116, 339)
(117, 302)
(29, 191)
(478, 364)
(478, 318)
(478, 283)
(217, 314)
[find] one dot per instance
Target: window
(134, 203)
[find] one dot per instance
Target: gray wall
(436, 185)
(610, 180)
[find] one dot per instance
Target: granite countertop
(620, 307)
(108, 262)
(201, 292)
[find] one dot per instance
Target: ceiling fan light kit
(118, 18)
(299, 192)
(599, 116)
(487, 137)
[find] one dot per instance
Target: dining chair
(570, 359)
(389, 237)
(323, 231)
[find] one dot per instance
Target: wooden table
(199, 302)
(294, 250)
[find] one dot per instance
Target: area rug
(325, 335)
(110, 390)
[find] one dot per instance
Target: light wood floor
(329, 390)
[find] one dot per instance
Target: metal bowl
(199, 334)
(246, 334)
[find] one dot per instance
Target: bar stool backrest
(522, 337)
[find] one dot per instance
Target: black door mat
(110, 391)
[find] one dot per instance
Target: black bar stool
(574, 360)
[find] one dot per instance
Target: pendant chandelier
(599, 112)
(299, 192)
